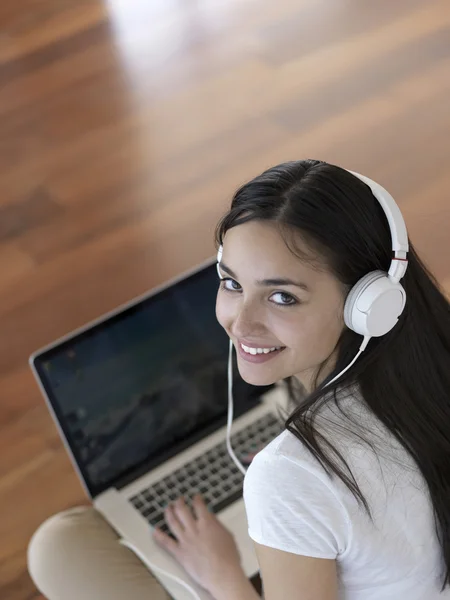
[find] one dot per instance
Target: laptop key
(219, 505)
(166, 530)
(156, 520)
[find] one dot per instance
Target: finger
(200, 509)
(165, 541)
(184, 514)
(172, 520)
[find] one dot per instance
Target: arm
(284, 575)
(237, 587)
(287, 575)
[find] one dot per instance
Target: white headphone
(376, 301)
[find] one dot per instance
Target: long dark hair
(404, 376)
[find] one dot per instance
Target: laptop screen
(144, 384)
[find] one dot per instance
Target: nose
(247, 321)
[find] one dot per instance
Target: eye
(230, 285)
(284, 299)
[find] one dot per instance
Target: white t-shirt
(293, 505)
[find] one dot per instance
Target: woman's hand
(203, 546)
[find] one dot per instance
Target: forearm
(237, 587)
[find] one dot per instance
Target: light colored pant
(75, 555)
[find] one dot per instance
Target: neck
(310, 379)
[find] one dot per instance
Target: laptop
(139, 397)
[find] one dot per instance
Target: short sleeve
(291, 507)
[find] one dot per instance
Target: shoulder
(291, 503)
(285, 454)
(348, 425)
(286, 466)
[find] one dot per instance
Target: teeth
(255, 351)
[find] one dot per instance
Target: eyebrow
(268, 282)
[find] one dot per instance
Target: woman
(352, 500)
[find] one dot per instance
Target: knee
(52, 540)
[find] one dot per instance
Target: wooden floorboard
(126, 125)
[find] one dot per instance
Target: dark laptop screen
(144, 384)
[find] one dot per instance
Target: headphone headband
(399, 234)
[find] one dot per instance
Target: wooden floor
(125, 126)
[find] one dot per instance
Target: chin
(257, 379)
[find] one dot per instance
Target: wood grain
(125, 126)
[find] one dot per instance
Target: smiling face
(283, 315)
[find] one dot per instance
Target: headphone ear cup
(351, 298)
(374, 304)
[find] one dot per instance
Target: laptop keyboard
(213, 475)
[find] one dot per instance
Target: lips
(259, 357)
(262, 350)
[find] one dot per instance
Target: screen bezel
(41, 356)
